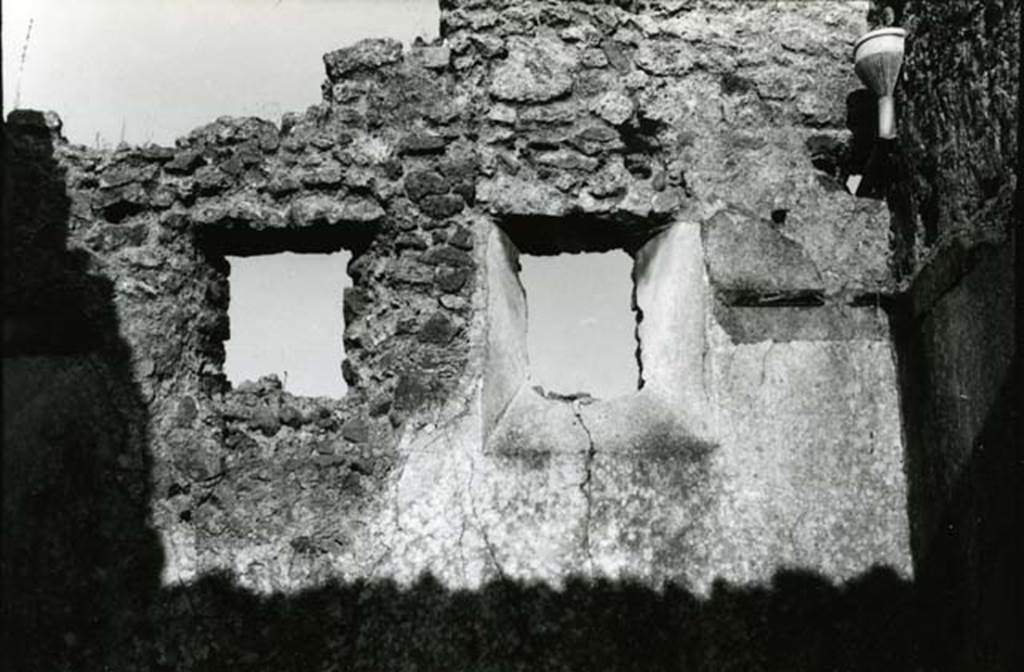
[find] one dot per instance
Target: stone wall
(759, 470)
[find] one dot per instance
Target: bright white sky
(286, 318)
(152, 70)
(159, 68)
(579, 325)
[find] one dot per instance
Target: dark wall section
(957, 213)
(80, 563)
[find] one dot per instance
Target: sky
(144, 71)
(579, 325)
(286, 318)
(152, 70)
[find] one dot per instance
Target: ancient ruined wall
(954, 208)
(706, 139)
(684, 100)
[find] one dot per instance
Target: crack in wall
(469, 496)
(587, 484)
(463, 522)
(492, 553)
(383, 558)
(443, 435)
(764, 363)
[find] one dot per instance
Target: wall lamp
(877, 58)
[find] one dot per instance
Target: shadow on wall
(79, 561)
(872, 168)
(972, 572)
(800, 622)
(965, 517)
(81, 564)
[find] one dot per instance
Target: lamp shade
(877, 58)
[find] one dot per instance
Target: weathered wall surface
(706, 139)
(955, 212)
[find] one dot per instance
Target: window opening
(580, 327)
(286, 319)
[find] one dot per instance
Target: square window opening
(579, 314)
(286, 318)
(581, 330)
(666, 290)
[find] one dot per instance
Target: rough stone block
(535, 71)
(364, 56)
(747, 257)
(516, 196)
